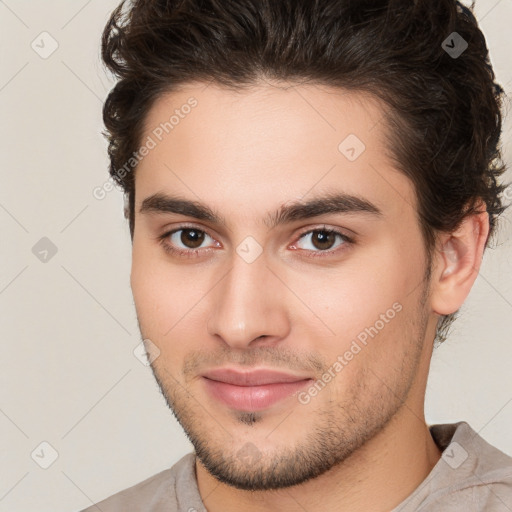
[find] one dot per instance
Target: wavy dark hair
(443, 112)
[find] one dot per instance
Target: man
(311, 186)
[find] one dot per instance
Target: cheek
(152, 287)
(354, 296)
(374, 356)
(364, 306)
(167, 303)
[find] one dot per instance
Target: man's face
(286, 342)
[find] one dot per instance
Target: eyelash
(191, 253)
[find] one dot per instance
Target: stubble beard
(340, 427)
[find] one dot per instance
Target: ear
(458, 258)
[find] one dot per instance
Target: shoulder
(489, 478)
(156, 493)
(472, 474)
(472, 456)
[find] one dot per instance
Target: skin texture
(362, 439)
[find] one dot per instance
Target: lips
(254, 390)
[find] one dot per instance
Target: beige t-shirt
(470, 476)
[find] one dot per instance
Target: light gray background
(68, 374)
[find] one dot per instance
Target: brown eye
(192, 238)
(323, 240)
(318, 241)
(187, 241)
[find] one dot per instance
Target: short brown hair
(444, 110)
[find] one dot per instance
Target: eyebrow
(293, 211)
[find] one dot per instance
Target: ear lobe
(458, 261)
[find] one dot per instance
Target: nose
(249, 306)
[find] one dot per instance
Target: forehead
(265, 108)
(267, 144)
